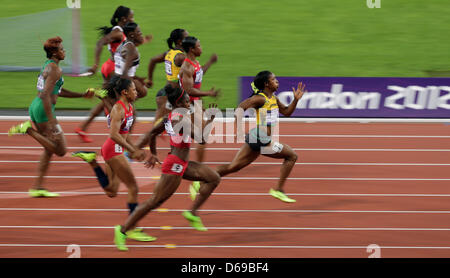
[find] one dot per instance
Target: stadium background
(403, 38)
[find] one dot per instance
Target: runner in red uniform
(191, 76)
(175, 167)
(117, 167)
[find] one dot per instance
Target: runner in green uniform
(48, 132)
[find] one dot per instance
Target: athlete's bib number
(129, 123)
(118, 148)
(168, 67)
(199, 76)
(177, 168)
(40, 83)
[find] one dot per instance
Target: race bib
(40, 83)
(169, 128)
(129, 123)
(199, 76)
(168, 67)
(118, 148)
(277, 147)
(177, 168)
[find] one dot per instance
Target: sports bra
(119, 61)
(198, 76)
(127, 120)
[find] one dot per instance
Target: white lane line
(244, 178)
(246, 194)
(297, 135)
(281, 119)
(237, 210)
(237, 228)
(235, 149)
(255, 163)
(228, 246)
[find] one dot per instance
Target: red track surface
(346, 199)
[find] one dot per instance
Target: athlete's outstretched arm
(151, 67)
(115, 35)
(156, 130)
(69, 94)
(208, 64)
(298, 93)
(254, 102)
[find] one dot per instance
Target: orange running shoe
(83, 135)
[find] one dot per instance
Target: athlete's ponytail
(175, 35)
(259, 82)
(120, 12)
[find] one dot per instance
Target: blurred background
(403, 38)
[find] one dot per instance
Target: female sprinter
(48, 132)
(117, 167)
(176, 167)
(267, 106)
(113, 37)
(173, 59)
(191, 75)
(127, 58)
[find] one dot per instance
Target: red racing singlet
(176, 140)
(198, 76)
(127, 121)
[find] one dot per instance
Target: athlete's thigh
(42, 128)
(120, 166)
(166, 186)
(58, 138)
(196, 171)
(113, 178)
(244, 157)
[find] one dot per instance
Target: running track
(356, 184)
